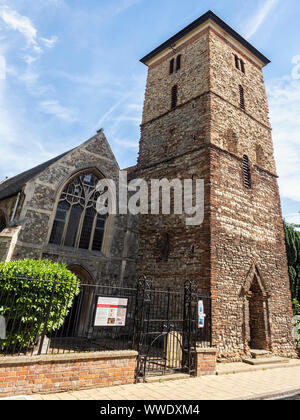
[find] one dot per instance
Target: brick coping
(71, 357)
(206, 350)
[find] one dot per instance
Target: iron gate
(166, 329)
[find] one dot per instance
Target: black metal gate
(166, 329)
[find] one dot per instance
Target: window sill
(59, 249)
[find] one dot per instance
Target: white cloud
(16, 144)
(296, 68)
(2, 68)
(21, 24)
(53, 107)
(49, 43)
(284, 99)
(25, 26)
(257, 20)
(29, 59)
(119, 7)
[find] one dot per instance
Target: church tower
(206, 117)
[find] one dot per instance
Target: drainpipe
(15, 208)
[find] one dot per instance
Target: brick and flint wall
(206, 136)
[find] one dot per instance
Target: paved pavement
(244, 385)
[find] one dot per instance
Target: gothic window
(246, 172)
(77, 223)
(178, 63)
(2, 222)
(172, 66)
(242, 97)
(174, 97)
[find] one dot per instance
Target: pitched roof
(208, 15)
(13, 186)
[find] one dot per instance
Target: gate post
(190, 327)
(141, 322)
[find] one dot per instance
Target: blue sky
(70, 67)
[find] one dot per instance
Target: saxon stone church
(205, 116)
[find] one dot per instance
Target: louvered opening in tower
(242, 97)
(246, 172)
(174, 97)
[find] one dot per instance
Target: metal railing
(39, 316)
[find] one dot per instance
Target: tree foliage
(292, 239)
(30, 292)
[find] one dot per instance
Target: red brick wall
(206, 362)
(47, 374)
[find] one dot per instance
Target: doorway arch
(256, 323)
(77, 323)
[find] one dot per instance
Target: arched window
(2, 221)
(77, 223)
(246, 172)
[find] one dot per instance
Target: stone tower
(206, 116)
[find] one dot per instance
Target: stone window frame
(61, 198)
(239, 64)
(175, 64)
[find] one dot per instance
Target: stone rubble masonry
(59, 373)
(206, 136)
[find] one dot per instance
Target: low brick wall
(57, 373)
(206, 361)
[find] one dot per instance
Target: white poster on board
(201, 314)
(111, 312)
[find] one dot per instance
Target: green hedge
(26, 287)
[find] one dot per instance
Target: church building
(205, 117)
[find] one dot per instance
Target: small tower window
(242, 66)
(237, 62)
(246, 172)
(178, 63)
(174, 97)
(172, 66)
(242, 97)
